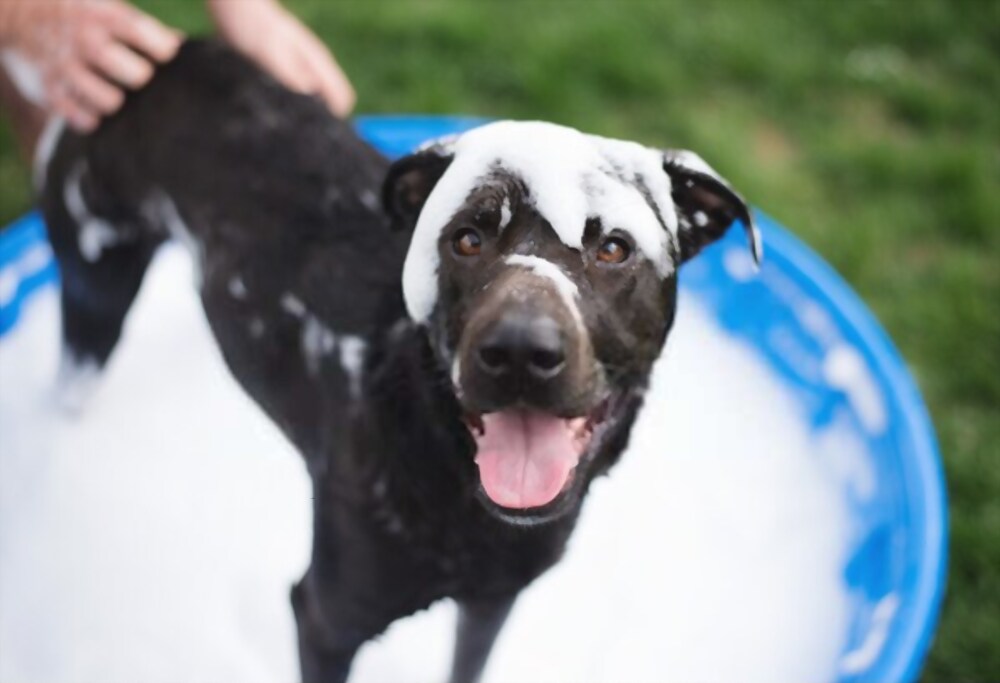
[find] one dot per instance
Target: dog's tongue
(525, 458)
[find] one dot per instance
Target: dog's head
(543, 264)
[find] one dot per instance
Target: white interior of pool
(155, 537)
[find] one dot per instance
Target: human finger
(141, 31)
(120, 63)
(333, 84)
(77, 114)
(290, 69)
(95, 92)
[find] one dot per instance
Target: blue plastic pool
(821, 341)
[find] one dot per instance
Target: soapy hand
(77, 57)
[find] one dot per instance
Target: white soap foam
(95, 234)
(567, 288)
(155, 537)
(570, 176)
(45, 148)
(26, 76)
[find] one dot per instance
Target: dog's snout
(523, 345)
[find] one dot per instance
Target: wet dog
(457, 342)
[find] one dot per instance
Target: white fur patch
(571, 177)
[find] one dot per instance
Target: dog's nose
(531, 345)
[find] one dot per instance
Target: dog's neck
(408, 434)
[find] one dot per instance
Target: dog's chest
(463, 552)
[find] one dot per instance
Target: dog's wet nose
(523, 345)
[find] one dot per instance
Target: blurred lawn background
(871, 129)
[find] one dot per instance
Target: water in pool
(154, 537)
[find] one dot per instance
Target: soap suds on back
(292, 305)
(352, 356)
(44, 148)
(237, 288)
(95, 234)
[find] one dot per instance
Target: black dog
(457, 343)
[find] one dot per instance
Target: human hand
(282, 45)
(84, 53)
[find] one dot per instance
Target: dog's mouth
(527, 458)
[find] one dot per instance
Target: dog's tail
(103, 248)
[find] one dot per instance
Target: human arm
(281, 44)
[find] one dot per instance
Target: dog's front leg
(324, 655)
(323, 666)
(479, 622)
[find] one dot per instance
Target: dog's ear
(409, 182)
(706, 205)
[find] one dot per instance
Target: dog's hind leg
(95, 299)
(102, 262)
(479, 622)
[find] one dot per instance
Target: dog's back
(279, 204)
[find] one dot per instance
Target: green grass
(871, 128)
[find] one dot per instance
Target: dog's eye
(613, 250)
(467, 242)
